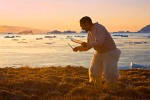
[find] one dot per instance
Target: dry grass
(69, 83)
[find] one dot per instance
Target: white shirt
(100, 39)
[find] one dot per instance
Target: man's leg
(96, 70)
(111, 72)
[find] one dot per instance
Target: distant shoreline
(18, 29)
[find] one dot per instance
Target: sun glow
(64, 15)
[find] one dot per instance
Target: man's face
(85, 26)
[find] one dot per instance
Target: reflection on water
(53, 50)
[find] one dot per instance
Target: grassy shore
(69, 83)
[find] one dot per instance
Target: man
(106, 54)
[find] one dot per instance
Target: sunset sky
(62, 15)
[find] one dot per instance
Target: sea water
(45, 50)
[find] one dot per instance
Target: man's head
(86, 23)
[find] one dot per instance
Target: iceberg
(133, 65)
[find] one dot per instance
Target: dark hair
(85, 19)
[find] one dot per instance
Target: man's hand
(84, 44)
(75, 49)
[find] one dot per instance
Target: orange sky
(62, 15)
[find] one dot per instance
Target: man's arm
(99, 34)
